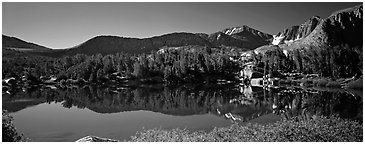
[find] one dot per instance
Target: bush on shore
(10, 134)
(317, 129)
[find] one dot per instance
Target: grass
(317, 129)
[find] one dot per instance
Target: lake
(66, 114)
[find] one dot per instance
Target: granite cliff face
(344, 26)
(296, 32)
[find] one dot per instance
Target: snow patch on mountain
(277, 39)
(233, 30)
(288, 41)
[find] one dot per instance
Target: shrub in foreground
(318, 129)
(10, 133)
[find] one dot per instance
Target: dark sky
(64, 25)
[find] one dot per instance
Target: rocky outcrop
(296, 32)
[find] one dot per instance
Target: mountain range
(341, 27)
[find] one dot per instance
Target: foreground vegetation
(317, 129)
(10, 134)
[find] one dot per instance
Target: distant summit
(243, 37)
(246, 30)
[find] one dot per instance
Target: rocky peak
(296, 32)
(242, 37)
(244, 30)
(234, 30)
(306, 28)
(344, 26)
(354, 11)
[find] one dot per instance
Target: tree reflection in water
(238, 103)
(305, 103)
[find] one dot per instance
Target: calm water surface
(67, 114)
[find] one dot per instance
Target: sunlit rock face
(295, 33)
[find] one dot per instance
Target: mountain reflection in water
(236, 103)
